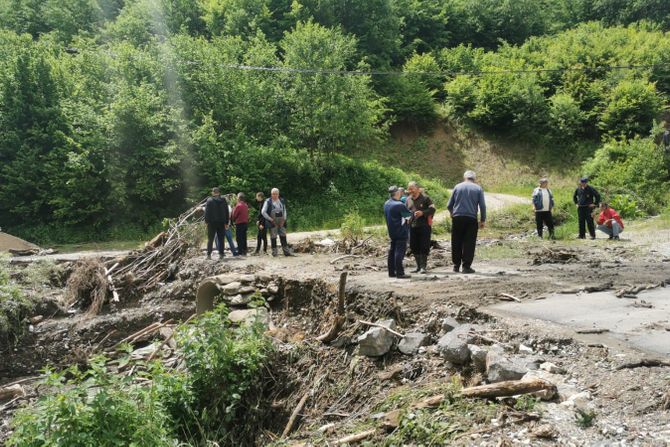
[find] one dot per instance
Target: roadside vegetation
(15, 307)
(216, 398)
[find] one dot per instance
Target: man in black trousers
(216, 218)
(587, 199)
(466, 199)
(422, 209)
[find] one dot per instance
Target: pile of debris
(366, 247)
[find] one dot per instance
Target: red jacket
(608, 214)
(241, 213)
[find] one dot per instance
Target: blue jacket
(537, 199)
(395, 223)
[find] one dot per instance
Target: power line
(318, 71)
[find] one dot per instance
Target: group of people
(587, 200)
(409, 216)
(221, 217)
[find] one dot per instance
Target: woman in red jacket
(609, 221)
(240, 218)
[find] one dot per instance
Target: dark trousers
(396, 255)
(419, 240)
(241, 236)
(543, 218)
(218, 231)
(463, 240)
(585, 218)
(262, 239)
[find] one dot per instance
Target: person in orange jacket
(609, 221)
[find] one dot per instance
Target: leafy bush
(632, 167)
(352, 227)
(566, 118)
(219, 397)
(14, 306)
(631, 109)
(93, 408)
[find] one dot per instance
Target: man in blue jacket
(396, 223)
(587, 198)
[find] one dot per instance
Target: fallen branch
(339, 318)
(369, 323)
(167, 339)
(508, 388)
(489, 339)
(644, 363)
(296, 412)
(592, 331)
(356, 438)
(509, 297)
(340, 258)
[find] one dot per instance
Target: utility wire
(317, 71)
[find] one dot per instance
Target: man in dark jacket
(422, 209)
(396, 224)
(216, 218)
(586, 198)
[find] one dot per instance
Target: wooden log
(339, 318)
(644, 363)
(508, 388)
(592, 331)
(509, 297)
(356, 438)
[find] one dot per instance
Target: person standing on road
(422, 209)
(586, 198)
(241, 221)
(216, 218)
(609, 221)
(466, 199)
(262, 237)
(396, 224)
(229, 229)
(274, 212)
(543, 204)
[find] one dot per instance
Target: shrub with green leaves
(219, 397)
(14, 306)
(352, 227)
(631, 109)
(93, 408)
(634, 167)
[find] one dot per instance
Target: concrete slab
(638, 327)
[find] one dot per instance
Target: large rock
(231, 289)
(478, 356)
(247, 316)
(499, 367)
(453, 346)
(412, 341)
(377, 341)
(240, 300)
(449, 324)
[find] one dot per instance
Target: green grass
(510, 250)
(100, 246)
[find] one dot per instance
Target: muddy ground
(630, 405)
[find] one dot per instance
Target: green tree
(631, 109)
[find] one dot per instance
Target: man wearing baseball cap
(586, 198)
(396, 224)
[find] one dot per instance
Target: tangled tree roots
(88, 285)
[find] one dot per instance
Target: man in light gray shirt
(467, 199)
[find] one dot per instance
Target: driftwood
(644, 363)
(340, 258)
(592, 331)
(167, 340)
(508, 297)
(132, 338)
(356, 438)
(11, 392)
(508, 388)
(369, 323)
(339, 317)
(295, 413)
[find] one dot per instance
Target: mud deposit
(348, 393)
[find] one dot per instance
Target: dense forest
(116, 114)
